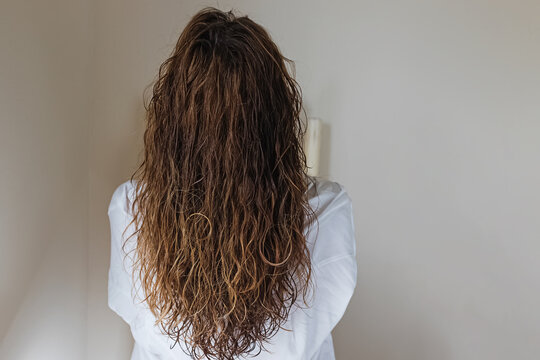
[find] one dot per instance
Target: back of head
(221, 204)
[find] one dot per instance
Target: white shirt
(333, 257)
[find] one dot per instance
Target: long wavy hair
(220, 205)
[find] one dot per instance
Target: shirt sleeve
(334, 279)
(120, 298)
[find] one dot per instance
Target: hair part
(220, 205)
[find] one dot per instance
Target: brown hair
(220, 205)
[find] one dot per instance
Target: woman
(221, 245)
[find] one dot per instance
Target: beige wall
(45, 104)
(432, 124)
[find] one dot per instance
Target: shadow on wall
(324, 165)
(116, 151)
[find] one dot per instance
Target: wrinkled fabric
(332, 248)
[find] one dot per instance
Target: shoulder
(122, 197)
(332, 235)
(325, 196)
(121, 216)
